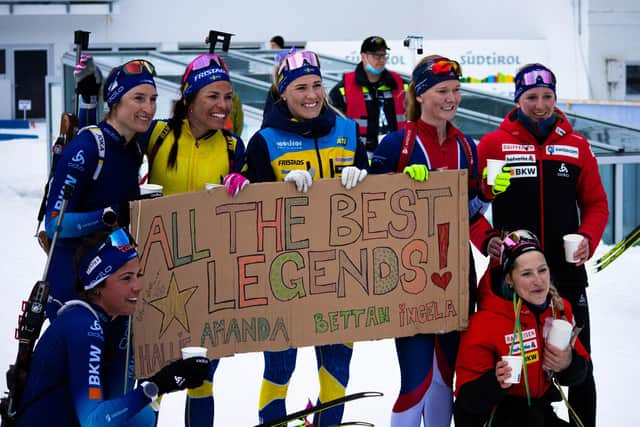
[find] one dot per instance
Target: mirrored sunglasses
(518, 237)
(204, 61)
(297, 60)
(138, 66)
(444, 66)
(538, 76)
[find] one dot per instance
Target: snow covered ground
(614, 311)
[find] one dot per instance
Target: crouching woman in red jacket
(515, 313)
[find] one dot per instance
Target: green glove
(502, 180)
(418, 173)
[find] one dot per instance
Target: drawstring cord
(517, 333)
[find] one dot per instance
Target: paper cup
(515, 363)
(209, 186)
(560, 333)
(571, 242)
(188, 352)
(494, 167)
(149, 191)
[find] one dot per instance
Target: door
(30, 68)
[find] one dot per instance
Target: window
(2, 62)
(633, 79)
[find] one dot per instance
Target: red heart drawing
(441, 281)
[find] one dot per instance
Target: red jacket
(356, 107)
(555, 190)
(489, 337)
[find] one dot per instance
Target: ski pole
(29, 327)
(634, 234)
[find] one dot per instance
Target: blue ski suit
(74, 381)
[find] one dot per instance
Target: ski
(618, 249)
(300, 415)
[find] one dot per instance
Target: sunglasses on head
(138, 66)
(444, 66)
(538, 76)
(515, 238)
(296, 60)
(120, 239)
(204, 61)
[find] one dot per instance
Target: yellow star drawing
(173, 305)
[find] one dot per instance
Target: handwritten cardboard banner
(273, 268)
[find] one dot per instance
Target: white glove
(302, 178)
(351, 176)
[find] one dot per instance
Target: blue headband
(536, 75)
(288, 76)
(196, 80)
(424, 77)
(105, 259)
(120, 82)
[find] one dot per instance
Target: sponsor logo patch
(531, 357)
(518, 147)
(290, 162)
(341, 141)
(563, 150)
(528, 346)
(292, 143)
(563, 171)
(528, 334)
(524, 171)
(520, 158)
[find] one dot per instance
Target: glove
(302, 178)
(351, 176)
(502, 180)
(235, 183)
(181, 374)
(418, 173)
(88, 77)
(117, 214)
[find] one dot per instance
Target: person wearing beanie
(189, 150)
(193, 148)
(430, 141)
(101, 164)
(555, 190)
(371, 95)
(319, 144)
(514, 319)
(57, 390)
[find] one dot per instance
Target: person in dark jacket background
(555, 190)
(515, 313)
(371, 95)
(303, 139)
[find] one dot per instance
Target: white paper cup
(571, 242)
(560, 333)
(151, 190)
(494, 167)
(209, 186)
(515, 363)
(188, 352)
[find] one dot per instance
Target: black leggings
(582, 397)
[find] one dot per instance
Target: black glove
(88, 78)
(181, 374)
(116, 214)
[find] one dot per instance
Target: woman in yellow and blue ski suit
(303, 139)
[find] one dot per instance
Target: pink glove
(234, 182)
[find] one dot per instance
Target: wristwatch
(150, 389)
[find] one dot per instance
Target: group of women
(192, 148)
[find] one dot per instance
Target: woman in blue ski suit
(72, 379)
(312, 131)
